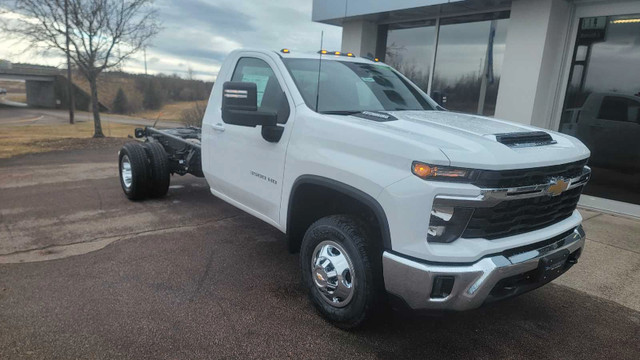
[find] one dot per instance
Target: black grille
(524, 177)
(514, 217)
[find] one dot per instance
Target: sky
(200, 33)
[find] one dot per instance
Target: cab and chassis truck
(387, 196)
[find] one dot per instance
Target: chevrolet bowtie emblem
(557, 187)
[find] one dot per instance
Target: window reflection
(464, 58)
(461, 61)
(602, 105)
(410, 51)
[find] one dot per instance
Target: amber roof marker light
(336, 53)
(285, 51)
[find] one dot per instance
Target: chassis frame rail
(182, 146)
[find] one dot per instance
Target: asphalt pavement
(85, 273)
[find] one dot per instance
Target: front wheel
(341, 269)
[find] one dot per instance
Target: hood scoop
(525, 139)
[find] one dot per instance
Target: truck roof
(329, 56)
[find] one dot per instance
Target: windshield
(350, 87)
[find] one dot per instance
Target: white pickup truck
(385, 194)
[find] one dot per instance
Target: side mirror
(439, 97)
(240, 107)
(239, 96)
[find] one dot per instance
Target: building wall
(359, 37)
(337, 10)
(533, 58)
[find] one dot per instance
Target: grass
(108, 88)
(27, 139)
(171, 111)
(18, 139)
(13, 86)
(21, 98)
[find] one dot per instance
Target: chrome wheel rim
(125, 172)
(332, 273)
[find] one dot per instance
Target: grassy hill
(141, 89)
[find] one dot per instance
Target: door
(603, 86)
(247, 169)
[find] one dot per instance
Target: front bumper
(492, 278)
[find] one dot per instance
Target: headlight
(447, 223)
(441, 173)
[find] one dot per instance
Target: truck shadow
(553, 321)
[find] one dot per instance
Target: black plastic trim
(349, 190)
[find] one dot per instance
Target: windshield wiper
(376, 115)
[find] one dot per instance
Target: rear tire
(134, 171)
(159, 175)
(341, 268)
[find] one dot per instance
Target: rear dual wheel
(144, 170)
(159, 177)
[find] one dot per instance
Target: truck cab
(385, 194)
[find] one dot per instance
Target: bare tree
(102, 33)
(190, 73)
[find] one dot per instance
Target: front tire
(341, 269)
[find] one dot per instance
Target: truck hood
(469, 140)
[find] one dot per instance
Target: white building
(566, 65)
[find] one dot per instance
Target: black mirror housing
(239, 96)
(240, 107)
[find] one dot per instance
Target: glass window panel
(499, 46)
(410, 51)
(581, 53)
(269, 93)
(460, 64)
(602, 105)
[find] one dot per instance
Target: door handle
(218, 127)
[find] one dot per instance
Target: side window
(619, 109)
(271, 98)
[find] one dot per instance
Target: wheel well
(316, 197)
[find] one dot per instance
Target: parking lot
(85, 273)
